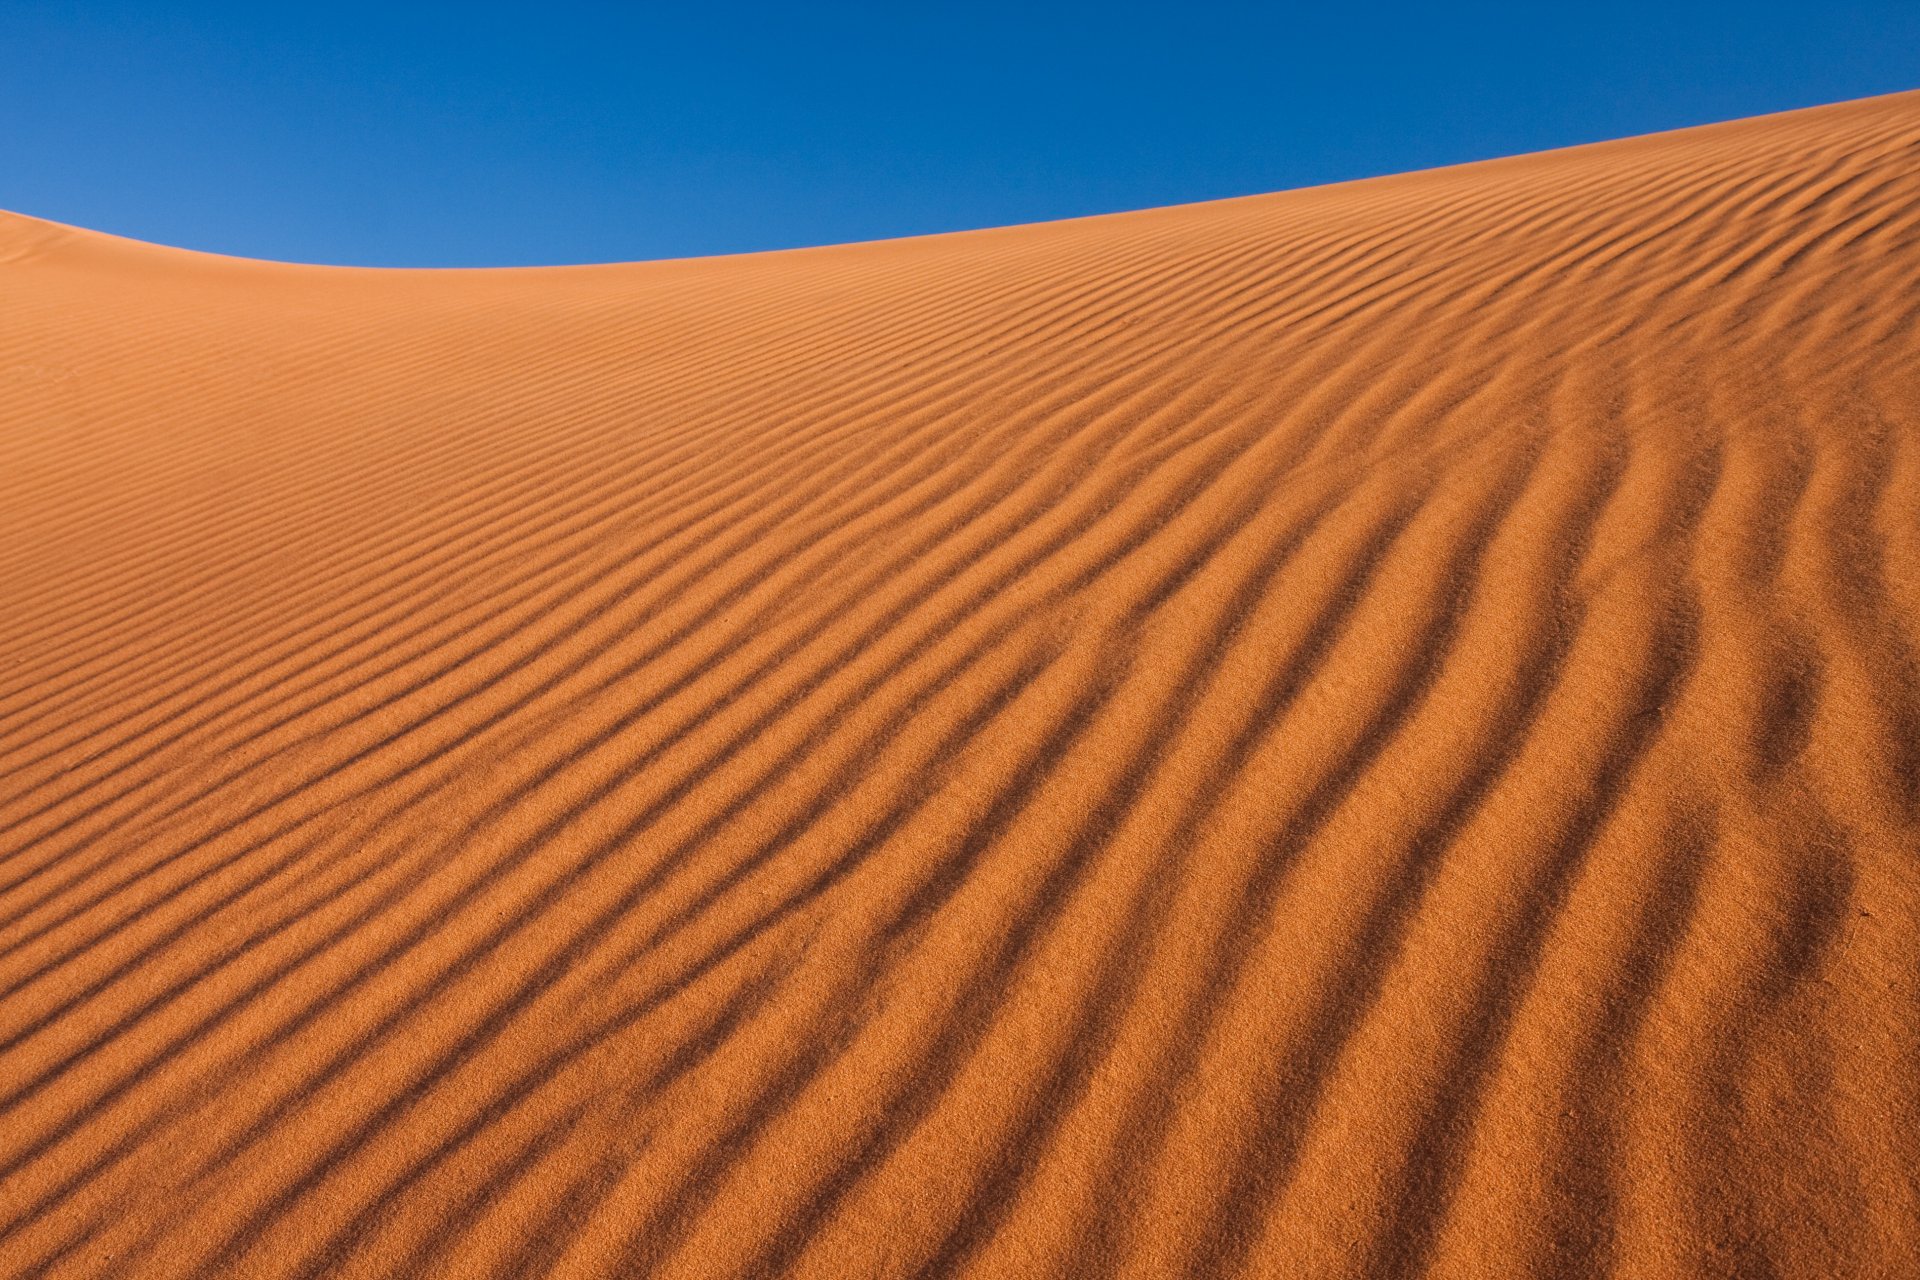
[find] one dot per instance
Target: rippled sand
(1371, 731)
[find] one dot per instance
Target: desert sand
(1369, 731)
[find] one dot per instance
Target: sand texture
(1371, 731)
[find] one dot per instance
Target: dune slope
(1370, 731)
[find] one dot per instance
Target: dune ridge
(1368, 731)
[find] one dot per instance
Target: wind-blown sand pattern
(1371, 731)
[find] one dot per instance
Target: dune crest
(1368, 731)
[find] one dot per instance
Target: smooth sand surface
(1371, 731)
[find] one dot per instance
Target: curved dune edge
(1367, 731)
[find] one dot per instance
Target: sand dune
(1371, 731)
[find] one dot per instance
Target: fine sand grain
(1371, 731)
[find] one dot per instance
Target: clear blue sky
(478, 133)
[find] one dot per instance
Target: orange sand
(1370, 731)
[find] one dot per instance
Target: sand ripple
(1372, 731)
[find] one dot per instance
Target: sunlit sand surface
(1371, 731)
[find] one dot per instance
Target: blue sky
(508, 134)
